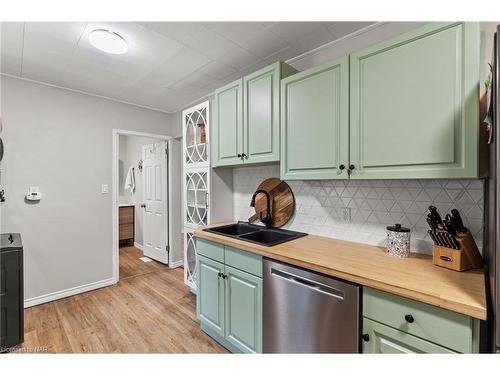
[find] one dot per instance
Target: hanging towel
(130, 181)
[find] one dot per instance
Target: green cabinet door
(261, 113)
(210, 295)
(227, 140)
(414, 104)
(315, 122)
(243, 310)
(379, 338)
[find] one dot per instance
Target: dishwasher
(307, 312)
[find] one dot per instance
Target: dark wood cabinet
(127, 224)
(11, 292)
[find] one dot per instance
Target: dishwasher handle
(316, 286)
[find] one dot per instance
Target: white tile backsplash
(374, 205)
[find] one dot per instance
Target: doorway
(146, 229)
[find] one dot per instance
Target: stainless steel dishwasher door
(305, 312)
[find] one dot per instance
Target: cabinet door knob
(366, 337)
(220, 274)
(409, 318)
(244, 156)
(341, 167)
(239, 155)
(351, 167)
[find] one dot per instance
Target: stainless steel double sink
(256, 233)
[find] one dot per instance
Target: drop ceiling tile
(217, 69)
(207, 89)
(12, 47)
(210, 44)
(170, 100)
(183, 63)
(237, 32)
(179, 31)
(291, 31)
(49, 46)
(340, 29)
(312, 40)
(282, 55)
(264, 43)
(239, 58)
(192, 83)
(252, 68)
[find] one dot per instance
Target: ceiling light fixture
(108, 41)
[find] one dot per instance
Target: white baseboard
(67, 292)
(138, 245)
(179, 263)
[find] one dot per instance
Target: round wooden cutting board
(283, 201)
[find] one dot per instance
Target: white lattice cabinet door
(197, 198)
(190, 254)
(196, 182)
(196, 150)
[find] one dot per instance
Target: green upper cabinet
(261, 116)
(414, 105)
(247, 118)
(315, 122)
(227, 138)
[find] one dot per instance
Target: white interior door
(155, 202)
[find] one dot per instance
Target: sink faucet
(268, 218)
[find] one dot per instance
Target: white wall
(62, 141)
(130, 149)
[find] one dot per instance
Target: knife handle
(458, 219)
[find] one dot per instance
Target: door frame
(115, 192)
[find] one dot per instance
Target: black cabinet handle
(366, 337)
(244, 156)
(220, 274)
(409, 318)
(351, 167)
(341, 167)
(239, 155)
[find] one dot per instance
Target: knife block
(463, 259)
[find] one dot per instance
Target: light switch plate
(104, 189)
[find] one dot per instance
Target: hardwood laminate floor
(149, 311)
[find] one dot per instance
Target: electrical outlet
(346, 215)
(104, 189)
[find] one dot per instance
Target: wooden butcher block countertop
(414, 277)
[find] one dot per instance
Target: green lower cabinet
(210, 295)
(397, 324)
(244, 310)
(379, 338)
(229, 300)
